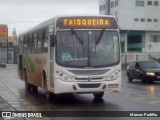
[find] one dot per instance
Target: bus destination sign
(86, 23)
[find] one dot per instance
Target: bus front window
(87, 48)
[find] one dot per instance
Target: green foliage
(124, 66)
(156, 59)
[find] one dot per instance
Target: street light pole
(7, 45)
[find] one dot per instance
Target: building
(139, 22)
(12, 48)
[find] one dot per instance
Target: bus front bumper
(86, 87)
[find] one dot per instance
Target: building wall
(127, 11)
(152, 45)
(11, 55)
(137, 19)
(104, 7)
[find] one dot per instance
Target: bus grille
(98, 78)
(89, 72)
(89, 85)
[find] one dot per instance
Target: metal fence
(127, 58)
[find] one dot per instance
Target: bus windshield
(84, 48)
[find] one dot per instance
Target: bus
(71, 54)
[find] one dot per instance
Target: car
(2, 64)
(145, 71)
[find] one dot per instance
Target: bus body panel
(81, 83)
(34, 65)
(67, 87)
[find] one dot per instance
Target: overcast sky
(23, 14)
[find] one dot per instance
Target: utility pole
(14, 39)
(7, 45)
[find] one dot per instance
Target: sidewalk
(11, 66)
(4, 106)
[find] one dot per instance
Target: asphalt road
(133, 97)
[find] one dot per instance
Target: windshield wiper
(78, 38)
(100, 36)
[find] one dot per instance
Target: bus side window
(25, 44)
(45, 41)
(39, 42)
(20, 47)
(30, 44)
(35, 42)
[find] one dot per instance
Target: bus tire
(47, 92)
(27, 85)
(49, 95)
(98, 95)
(34, 88)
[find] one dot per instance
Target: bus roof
(54, 19)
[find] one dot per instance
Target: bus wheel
(47, 92)
(27, 85)
(48, 95)
(34, 88)
(98, 95)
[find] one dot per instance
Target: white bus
(71, 54)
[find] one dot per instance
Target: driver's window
(132, 65)
(137, 65)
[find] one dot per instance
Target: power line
(20, 22)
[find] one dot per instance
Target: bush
(156, 59)
(124, 66)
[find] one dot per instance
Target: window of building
(136, 19)
(156, 3)
(100, 8)
(103, 7)
(139, 3)
(142, 20)
(112, 4)
(149, 20)
(155, 20)
(155, 38)
(10, 44)
(116, 3)
(4, 44)
(149, 2)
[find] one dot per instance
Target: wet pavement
(133, 97)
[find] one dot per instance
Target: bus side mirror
(53, 40)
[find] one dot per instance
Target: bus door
(51, 51)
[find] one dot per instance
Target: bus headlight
(64, 76)
(113, 76)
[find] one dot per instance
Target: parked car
(148, 70)
(2, 64)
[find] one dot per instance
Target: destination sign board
(86, 23)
